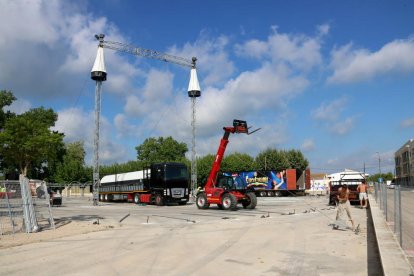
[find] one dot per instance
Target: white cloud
(331, 114)
(153, 97)
(247, 96)
(35, 22)
(308, 145)
(19, 106)
(330, 111)
(299, 51)
(407, 123)
(72, 122)
(343, 127)
(123, 127)
(354, 65)
(45, 45)
(213, 59)
(323, 29)
(54, 41)
(267, 89)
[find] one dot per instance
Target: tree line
(31, 148)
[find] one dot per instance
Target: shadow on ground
(59, 222)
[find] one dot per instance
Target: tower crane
(98, 74)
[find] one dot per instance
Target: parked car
(391, 185)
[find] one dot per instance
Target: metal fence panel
(11, 208)
(397, 204)
(24, 207)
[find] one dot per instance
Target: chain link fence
(24, 207)
(397, 205)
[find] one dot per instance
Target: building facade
(404, 170)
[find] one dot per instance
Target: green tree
(161, 150)
(73, 166)
(203, 168)
(6, 99)
(384, 176)
(28, 141)
(237, 162)
(129, 166)
(272, 159)
(297, 160)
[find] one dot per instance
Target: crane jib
(117, 46)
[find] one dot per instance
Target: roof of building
(347, 174)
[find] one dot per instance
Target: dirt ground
(62, 229)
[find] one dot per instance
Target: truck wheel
(270, 194)
(229, 202)
(136, 199)
(278, 193)
(262, 193)
(250, 202)
(201, 201)
(159, 200)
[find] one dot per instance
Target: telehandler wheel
(229, 202)
(201, 201)
(250, 202)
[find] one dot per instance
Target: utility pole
(98, 74)
(379, 167)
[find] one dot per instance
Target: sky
(333, 79)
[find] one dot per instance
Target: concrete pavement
(282, 236)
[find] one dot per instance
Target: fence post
(47, 196)
(28, 209)
(395, 208)
(400, 215)
(385, 201)
(27, 221)
(9, 207)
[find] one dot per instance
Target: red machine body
(222, 190)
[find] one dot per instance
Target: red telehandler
(222, 190)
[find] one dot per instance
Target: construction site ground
(282, 236)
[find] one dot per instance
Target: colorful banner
(260, 181)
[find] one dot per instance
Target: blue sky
(334, 79)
